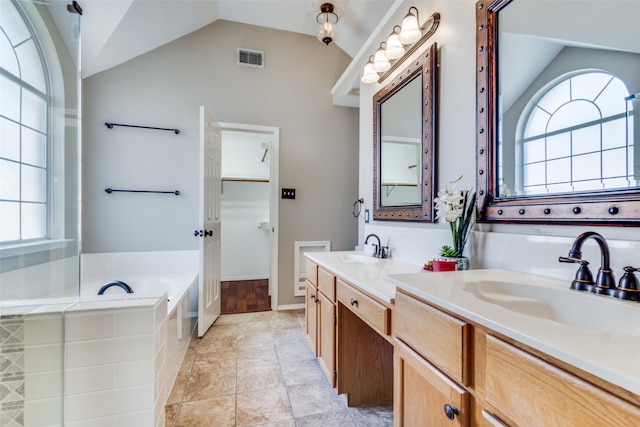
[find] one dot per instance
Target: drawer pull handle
(313, 297)
(450, 411)
(353, 302)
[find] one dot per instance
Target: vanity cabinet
(531, 391)
(326, 349)
(424, 395)
(365, 346)
(446, 366)
(320, 317)
(431, 365)
(311, 308)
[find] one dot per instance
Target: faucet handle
(383, 251)
(629, 280)
(628, 287)
(584, 279)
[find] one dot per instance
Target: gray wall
(165, 87)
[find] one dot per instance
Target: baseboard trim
(290, 307)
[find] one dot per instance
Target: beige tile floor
(257, 369)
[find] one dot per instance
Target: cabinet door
(311, 316)
(424, 396)
(327, 337)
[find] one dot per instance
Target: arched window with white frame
(560, 151)
(24, 126)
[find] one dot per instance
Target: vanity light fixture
(327, 21)
(410, 31)
(380, 61)
(399, 45)
(394, 49)
(369, 75)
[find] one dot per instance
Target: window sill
(33, 247)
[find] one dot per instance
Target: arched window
(559, 153)
(24, 127)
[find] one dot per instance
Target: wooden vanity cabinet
(320, 317)
(431, 362)
(326, 350)
(311, 306)
(491, 380)
(424, 396)
(531, 391)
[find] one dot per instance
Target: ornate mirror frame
(604, 207)
(426, 66)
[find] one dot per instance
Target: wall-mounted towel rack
(111, 190)
(111, 125)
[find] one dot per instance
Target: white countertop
(367, 276)
(609, 353)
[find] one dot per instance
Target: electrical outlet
(288, 193)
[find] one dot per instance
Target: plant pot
(463, 262)
(442, 264)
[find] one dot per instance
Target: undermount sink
(351, 258)
(572, 308)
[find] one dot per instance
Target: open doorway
(249, 207)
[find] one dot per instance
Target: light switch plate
(288, 193)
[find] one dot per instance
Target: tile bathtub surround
(113, 364)
(257, 369)
(12, 371)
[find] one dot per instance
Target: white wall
(245, 247)
(530, 248)
(165, 87)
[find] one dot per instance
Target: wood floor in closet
(245, 296)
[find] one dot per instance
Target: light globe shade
(380, 61)
(326, 32)
(410, 31)
(394, 48)
(369, 75)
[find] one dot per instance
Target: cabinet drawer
(311, 270)
(530, 391)
(365, 307)
(437, 336)
(327, 284)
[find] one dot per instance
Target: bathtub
(148, 273)
(167, 274)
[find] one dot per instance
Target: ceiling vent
(250, 58)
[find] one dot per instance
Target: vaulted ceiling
(114, 31)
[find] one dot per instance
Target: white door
(209, 221)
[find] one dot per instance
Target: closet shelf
(245, 179)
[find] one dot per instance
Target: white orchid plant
(457, 208)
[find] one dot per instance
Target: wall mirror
(556, 96)
(404, 137)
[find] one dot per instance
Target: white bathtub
(147, 273)
(169, 274)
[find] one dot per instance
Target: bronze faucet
(380, 251)
(605, 283)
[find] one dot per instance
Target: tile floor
(257, 369)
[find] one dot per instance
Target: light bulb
(410, 31)
(394, 48)
(380, 61)
(369, 75)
